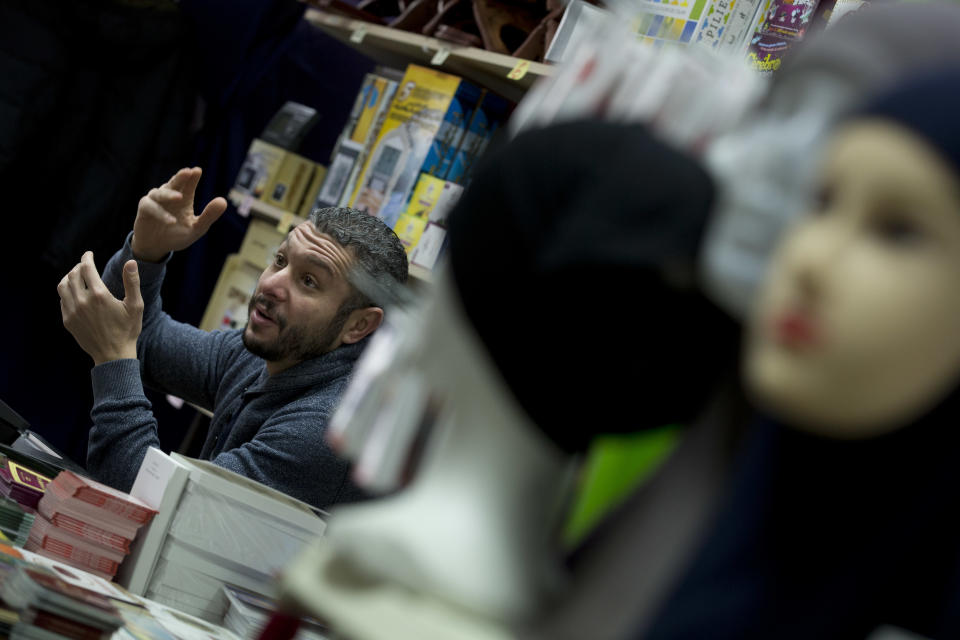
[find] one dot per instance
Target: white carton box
(212, 524)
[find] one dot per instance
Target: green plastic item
(614, 467)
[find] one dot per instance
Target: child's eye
(823, 200)
(897, 229)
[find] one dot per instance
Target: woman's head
(857, 327)
(769, 155)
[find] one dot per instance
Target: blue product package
(487, 117)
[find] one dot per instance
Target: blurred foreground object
(593, 268)
(685, 95)
(841, 519)
(456, 413)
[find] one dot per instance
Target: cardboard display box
(416, 114)
(228, 306)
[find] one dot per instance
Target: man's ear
(360, 323)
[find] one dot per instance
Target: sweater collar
(310, 373)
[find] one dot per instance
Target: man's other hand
(165, 219)
(106, 328)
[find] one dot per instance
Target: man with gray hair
(272, 386)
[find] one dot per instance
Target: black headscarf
(573, 252)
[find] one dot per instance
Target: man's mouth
(262, 314)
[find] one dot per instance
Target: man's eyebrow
(313, 260)
(319, 262)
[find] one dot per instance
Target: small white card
(427, 251)
(245, 204)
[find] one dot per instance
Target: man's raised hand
(165, 218)
(106, 328)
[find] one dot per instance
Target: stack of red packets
(86, 524)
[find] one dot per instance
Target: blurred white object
(686, 94)
(390, 440)
(356, 413)
(764, 169)
(363, 608)
(888, 632)
(475, 523)
(842, 8)
(576, 24)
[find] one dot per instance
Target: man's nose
(273, 284)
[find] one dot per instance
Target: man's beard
(292, 343)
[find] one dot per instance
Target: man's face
(294, 310)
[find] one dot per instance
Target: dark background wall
(100, 100)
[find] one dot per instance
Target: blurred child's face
(857, 328)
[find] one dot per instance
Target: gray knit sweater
(268, 428)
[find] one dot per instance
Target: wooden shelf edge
(264, 209)
(200, 409)
(420, 273)
(479, 65)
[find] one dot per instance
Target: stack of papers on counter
(75, 604)
(15, 521)
(47, 606)
(248, 613)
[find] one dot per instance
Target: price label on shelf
(245, 204)
(519, 70)
(440, 56)
(357, 36)
(285, 221)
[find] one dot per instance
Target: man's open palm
(165, 217)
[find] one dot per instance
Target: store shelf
(506, 75)
(263, 209)
(285, 219)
